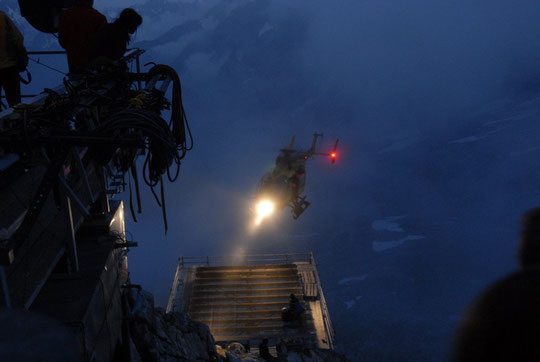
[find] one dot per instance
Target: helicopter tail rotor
(333, 154)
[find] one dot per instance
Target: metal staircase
(243, 302)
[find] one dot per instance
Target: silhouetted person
(281, 348)
(529, 248)
(295, 305)
(293, 310)
(504, 322)
(264, 353)
(13, 59)
(112, 39)
(77, 28)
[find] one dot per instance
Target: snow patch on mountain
(467, 139)
(266, 28)
(388, 224)
(379, 246)
(526, 151)
(350, 303)
(351, 279)
(99, 4)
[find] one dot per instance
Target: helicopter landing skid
(299, 205)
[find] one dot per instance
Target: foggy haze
(435, 104)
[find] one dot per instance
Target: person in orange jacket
(77, 28)
(13, 59)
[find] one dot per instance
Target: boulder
(231, 357)
(160, 336)
(316, 355)
(236, 348)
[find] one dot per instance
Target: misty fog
(435, 104)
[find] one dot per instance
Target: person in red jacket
(77, 28)
(112, 39)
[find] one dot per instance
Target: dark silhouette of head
(129, 20)
(504, 322)
(265, 341)
(84, 3)
(529, 248)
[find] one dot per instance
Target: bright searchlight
(264, 208)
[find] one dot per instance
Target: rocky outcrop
(235, 352)
(318, 355)
(158, 336)
(168, 337)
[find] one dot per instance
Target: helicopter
(284, 184)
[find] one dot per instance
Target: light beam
(264, 209)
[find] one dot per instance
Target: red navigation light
(333, 157)
(334, 153)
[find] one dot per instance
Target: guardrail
(175, 287)
(246, 259)
(324, 307)
(132, 54)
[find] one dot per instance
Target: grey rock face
(175, 337)
(236, 348)
(315, 355)
(231, 357)
(169, 337)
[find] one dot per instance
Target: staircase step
(258, 330)
(244, 302)
(239, 299)
(203, 293)
(247, 273)
(266, 322)
(241, 278)
(236, 314)
(247, 285)
(247, 267)
(311, 337)
(235, 306)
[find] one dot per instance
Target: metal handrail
(174, 286)
(324, 307)
(248, 255)
(226, 259)
(132, 54)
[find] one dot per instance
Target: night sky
(436, 105)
